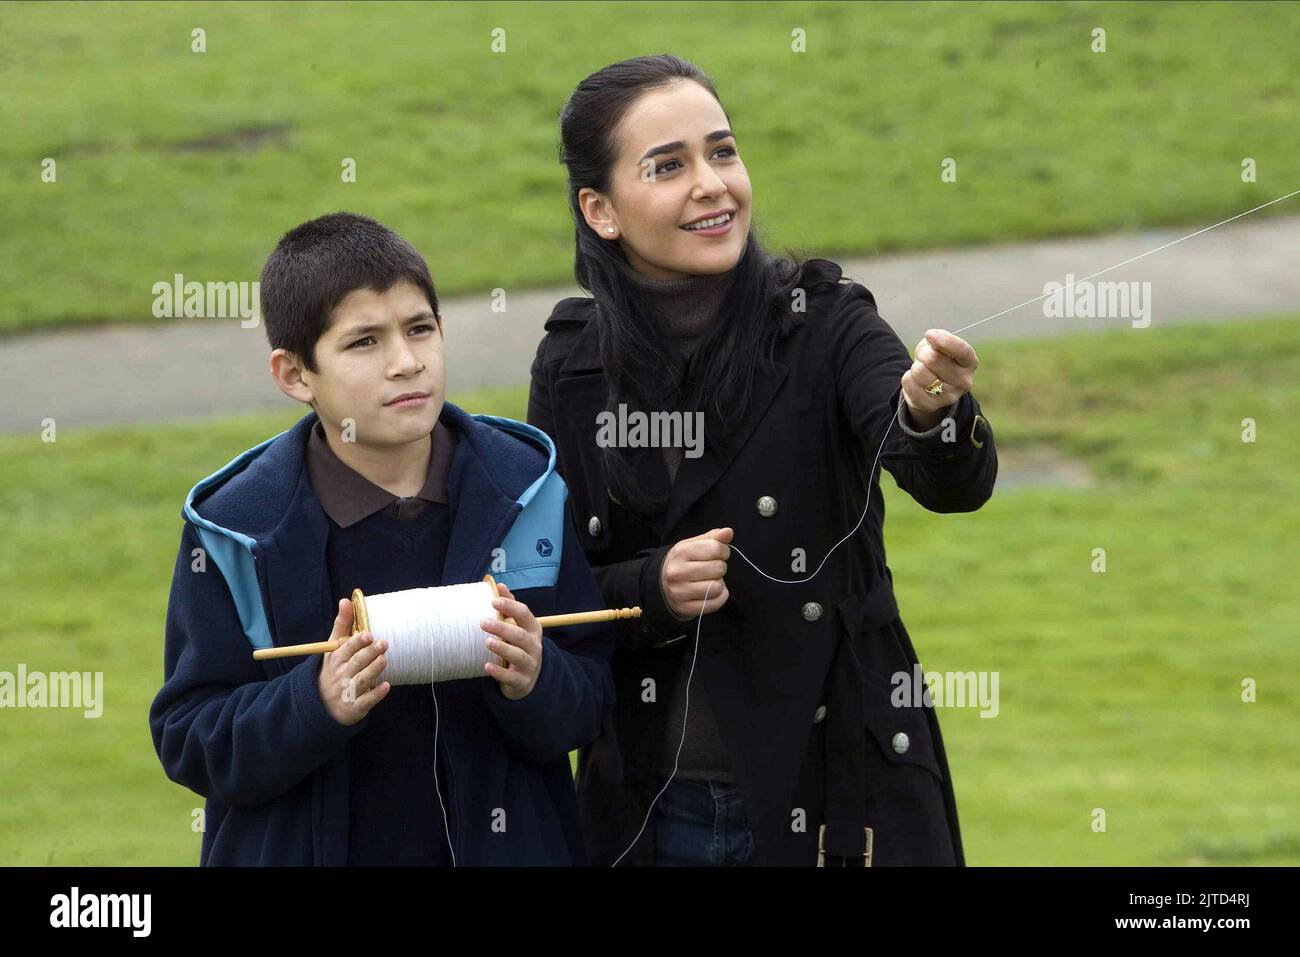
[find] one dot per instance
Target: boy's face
(379, 346)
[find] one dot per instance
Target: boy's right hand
(349, 673)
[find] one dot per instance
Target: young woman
(773, 739)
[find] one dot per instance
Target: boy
(316, 760)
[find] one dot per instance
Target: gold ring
(935, 387)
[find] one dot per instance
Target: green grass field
(1118, 691)
(170, 161)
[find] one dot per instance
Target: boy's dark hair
(315, 265)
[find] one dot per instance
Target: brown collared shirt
(347, 496)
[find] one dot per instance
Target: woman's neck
(682, 308)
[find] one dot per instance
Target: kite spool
(434, 634)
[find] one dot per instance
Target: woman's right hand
(690, 568)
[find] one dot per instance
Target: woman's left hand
(948, 358)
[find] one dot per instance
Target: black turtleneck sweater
(682, 310)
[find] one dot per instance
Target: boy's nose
(407, 362)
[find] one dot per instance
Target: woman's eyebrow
(676, 145)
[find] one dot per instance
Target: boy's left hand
(519, 642)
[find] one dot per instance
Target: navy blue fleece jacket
(254, 738)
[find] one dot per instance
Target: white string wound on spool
(433, 634)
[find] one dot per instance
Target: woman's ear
(598, 212)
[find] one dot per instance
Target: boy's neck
(401, 469)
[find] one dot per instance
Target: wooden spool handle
(361, 622)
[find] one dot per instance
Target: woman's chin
(709, 262)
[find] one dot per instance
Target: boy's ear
(287, 371)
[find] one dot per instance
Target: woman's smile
(711, 225)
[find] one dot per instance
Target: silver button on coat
(767, 506)
(812, 611)
(820, 714)
(593, 527)
(901, 743)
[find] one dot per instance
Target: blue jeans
(702, 824)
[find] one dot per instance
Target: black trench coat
(799, 675)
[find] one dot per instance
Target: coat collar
(584, 353)
(583, 371)
(481, 513)
(269, 503)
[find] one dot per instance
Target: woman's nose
(709, 184)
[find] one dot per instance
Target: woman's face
(677, 163)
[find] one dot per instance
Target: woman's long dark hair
(634, 355)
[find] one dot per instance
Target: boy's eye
(423, 325)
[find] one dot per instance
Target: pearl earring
(609, 229)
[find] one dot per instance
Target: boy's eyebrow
(368, 329)
(676, 145)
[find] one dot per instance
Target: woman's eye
(664, 167)
(360, 341)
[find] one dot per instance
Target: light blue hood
(238, 508)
